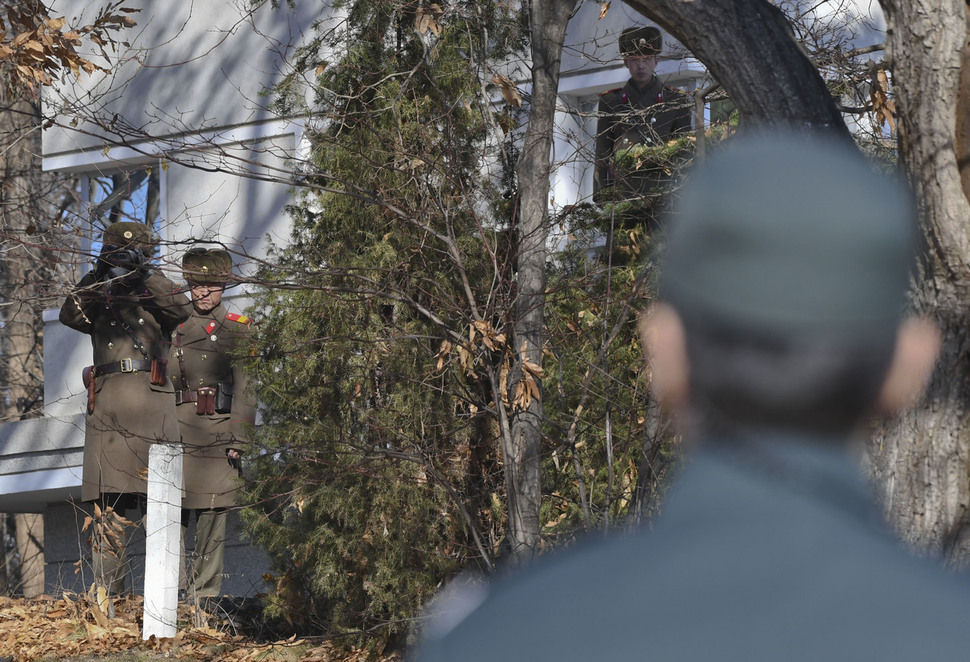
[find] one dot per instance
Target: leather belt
(124, 365)
(188, 395)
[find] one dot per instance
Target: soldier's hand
(127, 265)
(234, 457)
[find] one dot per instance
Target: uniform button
(113, 323)
(203, 357)
(111, 345)
(141, 321)
(213, 338)
(201, 382)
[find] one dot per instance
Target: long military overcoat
(208, 345)
(629, 115)
(129, 412)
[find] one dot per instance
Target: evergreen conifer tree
(381, 319)
(384, 336)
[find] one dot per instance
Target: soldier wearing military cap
(642, 112)
(130, 310)
(782, 329)
(215, 410)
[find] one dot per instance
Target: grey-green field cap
(787, 235)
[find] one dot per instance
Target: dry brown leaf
(426, 19)
(509, 92)
(443, 352)
(882, 105)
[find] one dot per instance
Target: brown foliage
(74, 628)
(35, 47)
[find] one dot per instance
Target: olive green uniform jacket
(637, 116)
(207, 344)
(129, 413)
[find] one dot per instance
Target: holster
(206, 403)
(223, 403)
(88, 379)
(159, 370)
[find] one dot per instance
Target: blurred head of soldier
(206, 270)
(783, 292)
(640, 48)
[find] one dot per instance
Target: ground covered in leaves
(75, 628)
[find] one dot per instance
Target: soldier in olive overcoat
(215, 409)
(130, 310)
(642, 112)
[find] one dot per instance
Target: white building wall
(192, 65)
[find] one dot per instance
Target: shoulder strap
(234, 317)
(181, 356)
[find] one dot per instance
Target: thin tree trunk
(548, 19)
(30, 547)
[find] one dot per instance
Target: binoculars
(116, 262)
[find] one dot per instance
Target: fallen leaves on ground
(46, 628)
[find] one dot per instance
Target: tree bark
(20, 277)
(548, 20)
(30, 547)
(922, 459)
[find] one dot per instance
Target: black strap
(181, 357)
(124, 365)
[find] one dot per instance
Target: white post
(162, 540)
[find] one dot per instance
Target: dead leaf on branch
(528, 386)
(489, 336)
(443, 352)
(426, 19)
(882, 105)
(511, 95)
(42, 49)
(604, 9)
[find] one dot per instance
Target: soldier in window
(642, 112)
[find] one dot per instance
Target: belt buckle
(126, 365)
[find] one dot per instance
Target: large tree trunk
(21, 367)
(748, 47)
(922, 460)
(548, 19)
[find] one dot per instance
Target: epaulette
(615, 89)
(242, 319)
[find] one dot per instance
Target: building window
(104, 197)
